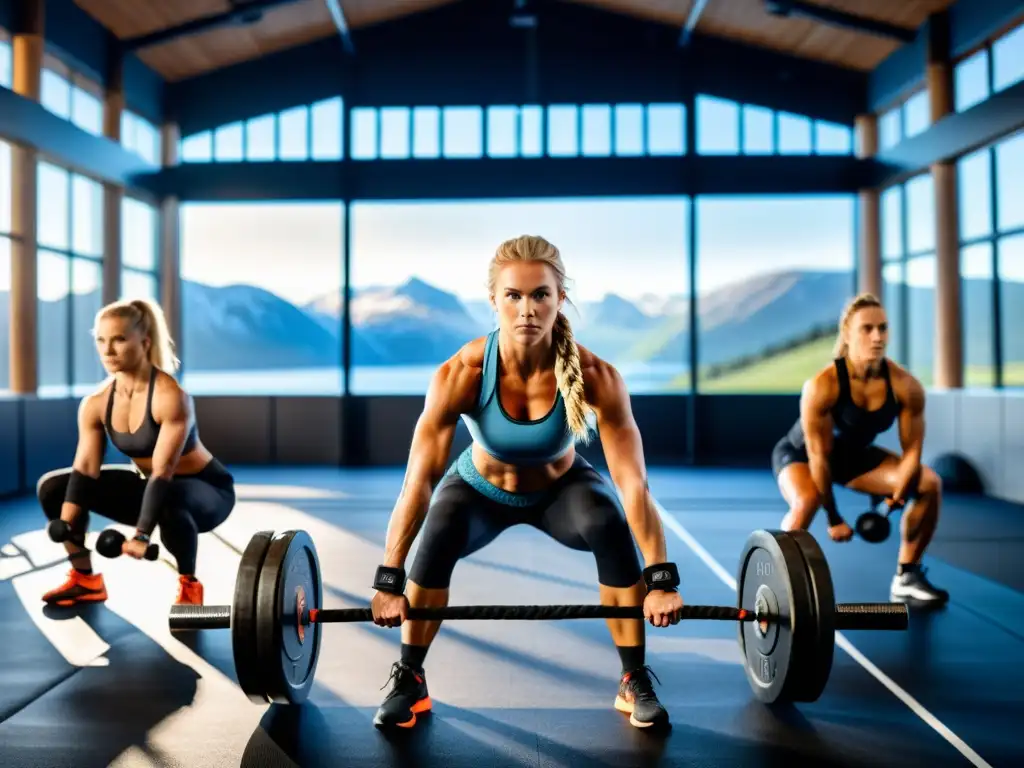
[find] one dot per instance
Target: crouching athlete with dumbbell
(843, 408)
(524, 392)
(175, 482)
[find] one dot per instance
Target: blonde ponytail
(569, 375)
(859, 302)
(148, 318)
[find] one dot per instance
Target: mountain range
(241, 327)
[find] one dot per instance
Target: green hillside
(784, 372)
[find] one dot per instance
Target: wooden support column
(948, 337)
(170, 261)
(27, 51)
(113, 195)
(869, 240)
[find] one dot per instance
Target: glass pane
(971, 81)
(832, 139)
(917, 114)
(1010, 183)
(87, 299)
(147, 141)
(1011, 308)
(892, 222)
(426, 132)
(364, 133)
(890, 129)
(6, 183)
(502, 131)
(293, 134)
(1008, 59)
(138, 234)
(262, 297)
(402, 273)
(139, 285)
(597, 130)
(921, 318)
(53, 293)
(794, 134)
(5, 314)
(531, 127)
(395, 133)
(463, 132)
(979, 316)
(227, 143)
(893, 295)
(920, 192)
(261, 138)
(197, 148)
(6, 65)
(86, 111)
(774, 274)
(87, 216)
(55, 94)
(718, 126)
(974, 178)
(328, 127)
(666, 129)
(758, 131)
(563, 130)
(53, 216)
(629, 130)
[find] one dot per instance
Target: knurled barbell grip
(884, 616)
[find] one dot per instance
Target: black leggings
(198, 503)
(580, 511)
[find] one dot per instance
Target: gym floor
(108, 685)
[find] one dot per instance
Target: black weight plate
(772, 573)
(289, 586)
(810, 685)
(243, 618)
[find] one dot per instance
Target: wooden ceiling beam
(240, 13)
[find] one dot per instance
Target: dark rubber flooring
(108, 685)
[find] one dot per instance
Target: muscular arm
(815, 402)
(89, 452)
(623, 450)
(428, 454)
(911, 426)
(172, 410)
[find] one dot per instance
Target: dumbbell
(873, 526)
(108, 544)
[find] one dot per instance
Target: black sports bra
(141, 443)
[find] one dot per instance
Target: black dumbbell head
(109, 542)
(873, 527)
(58, 530)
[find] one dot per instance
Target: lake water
(396, 380)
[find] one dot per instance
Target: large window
(773, 274)
(140, 277)
(909, 273)
(70, 268)
(992, 263)
(6, 60)
(262, 297)
(69, 95)
(419, 284)
(140, 136)
(5, 261)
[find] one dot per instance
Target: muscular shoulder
(822, 389)
(92, 408)
(905, 386)
(170, 400)
(602, 382)
(455, 385)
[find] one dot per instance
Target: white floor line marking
(915, 706)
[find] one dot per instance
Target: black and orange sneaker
(407, 698)
(79, 588)
(190, 591)
(638, 699)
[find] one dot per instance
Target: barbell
(786, 612)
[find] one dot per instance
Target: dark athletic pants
(580, 511)
(198, 503)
